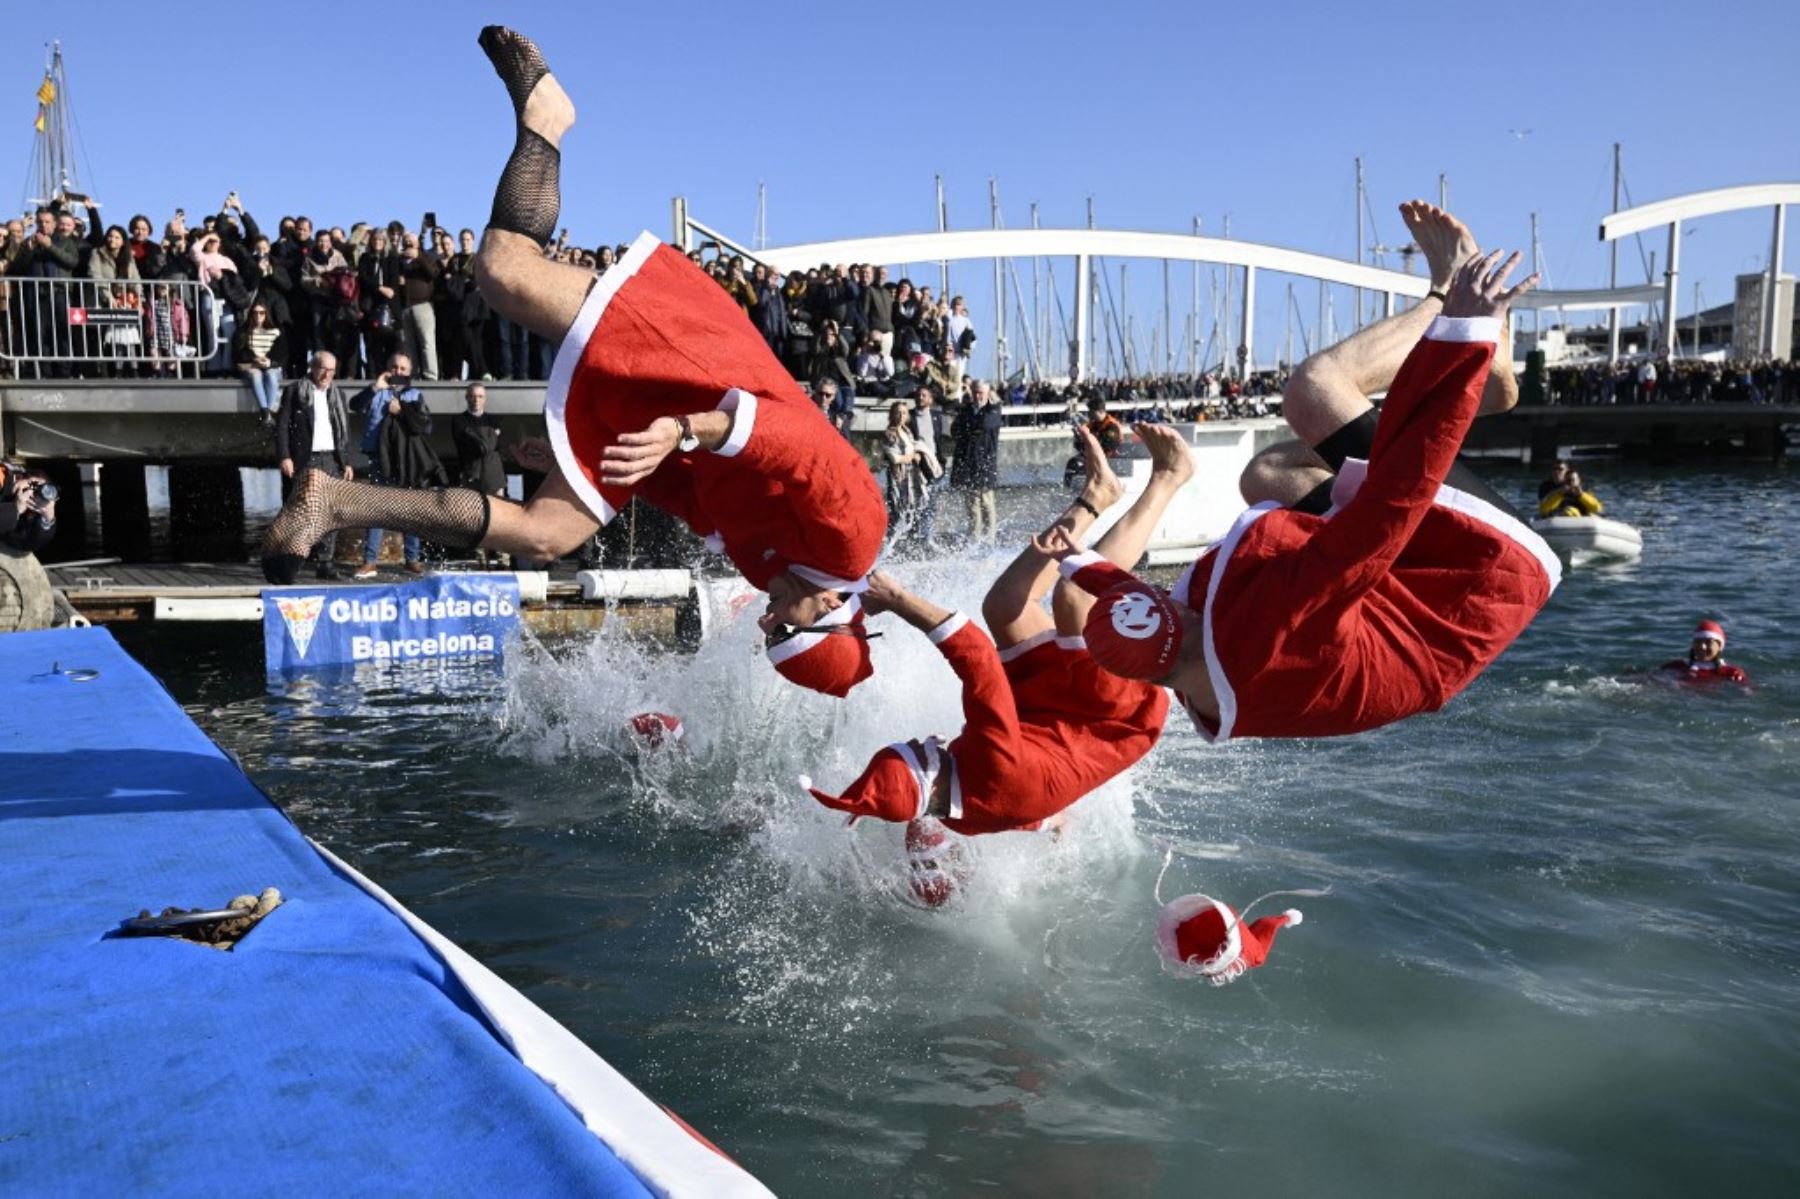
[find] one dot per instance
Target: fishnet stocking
(455, 517)
(528, 198)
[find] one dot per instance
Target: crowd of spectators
(1681, 381)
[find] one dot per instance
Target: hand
(1479, 288)
(884, 593)
(381, 381)
(263, 363)
(393, 407)
(287, 468)
(634, 456)
(1058, 543)
(349, 473)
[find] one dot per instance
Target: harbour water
(1561, 953)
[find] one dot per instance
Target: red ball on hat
(1134, 631)
(1199, 937)
(1710, 628)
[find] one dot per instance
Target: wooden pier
(655, 603)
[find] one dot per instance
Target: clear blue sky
(1160, 111)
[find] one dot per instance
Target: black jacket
(477, 441)
(976, 435)
(294, 423)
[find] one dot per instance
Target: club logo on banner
(459, 615)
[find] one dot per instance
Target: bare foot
(539, 101)
(1445, 241)
(1168, 451)
(1103, 488)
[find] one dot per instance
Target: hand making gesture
(1057, 543)
(1479, 288)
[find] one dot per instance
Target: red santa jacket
(1394, 601)
(1025, 752)
(656, 337)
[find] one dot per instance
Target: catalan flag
(46, 92)
(39, 123)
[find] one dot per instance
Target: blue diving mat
(332, 1052)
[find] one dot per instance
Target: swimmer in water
(663, 391)
(1705, 662)
(1409, 583)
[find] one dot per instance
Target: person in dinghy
(663, 390)
(1389, 603)
(1043, 724)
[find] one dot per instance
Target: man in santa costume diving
(1399, 594)
(1043, 724)
(661, 389)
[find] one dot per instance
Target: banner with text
(454, 615)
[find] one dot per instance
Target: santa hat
(656, 729)
(1134, 631)
(1199, 937)
(831, 656)
(887, 789)
(1710, 629)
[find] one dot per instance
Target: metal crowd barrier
(150, 327)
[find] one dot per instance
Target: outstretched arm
(990, 715)
(1428, 411)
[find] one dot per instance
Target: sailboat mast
(1612, 278)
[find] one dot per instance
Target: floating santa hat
(656, 729)
(831, 656)
(1199, 937)
(1134, 631)
(1710, 629)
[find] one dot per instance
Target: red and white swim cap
(1134, 631)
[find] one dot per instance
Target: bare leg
(1287, 472)
(1331, 388)
(1013, 608)
(1125, 542)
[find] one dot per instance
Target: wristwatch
(688, 443)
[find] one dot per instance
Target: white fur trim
(806, 784)
(1294, 917)
(799, 643)
(1179, 911)
(819, 578)
(1464, 328)
(1019, 649)
(1350, 478)
(953, 624)
(568, 358)
(956, 795)
(1067, 567)
(742, 406)
(1076, 644)
(922, 773)
(1215, 670)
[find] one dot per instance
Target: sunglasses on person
(787, 632)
